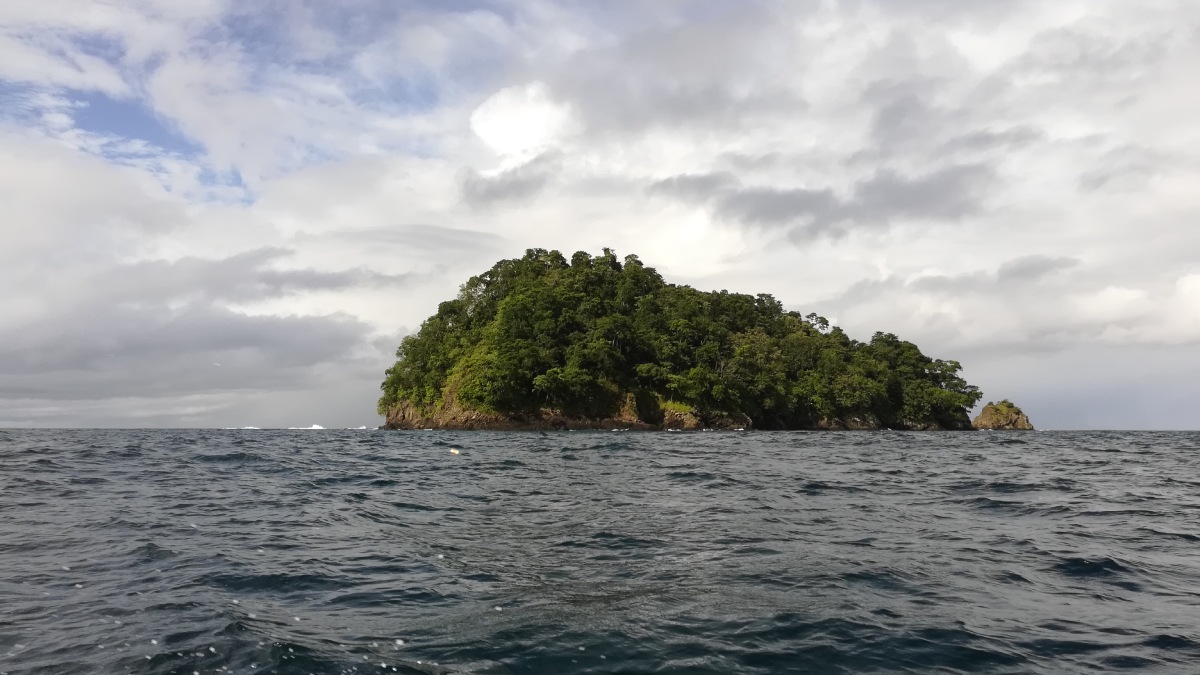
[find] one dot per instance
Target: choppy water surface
(370, 552)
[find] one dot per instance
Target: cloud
(157, 327)
(128, 350)
(101, 316)
(695, 188)
(1125, 169)
(289, 187)
(769, 206)
(904, 117)
(515, 184)
(425, 238)
(948, 195)
(240, 278)
(946, 11)
(714, 72)
(1033, 304)
(1074, 56)
(1032, 267)
(67, 207)
(521, 119)
(983, 140)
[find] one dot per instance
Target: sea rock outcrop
(1003, 415)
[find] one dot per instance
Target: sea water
(317, 551)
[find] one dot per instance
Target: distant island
(1002, 416)
(597, 342)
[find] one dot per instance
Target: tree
(582, 336)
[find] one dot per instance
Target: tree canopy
(581, 337)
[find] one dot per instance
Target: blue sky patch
(129, 119)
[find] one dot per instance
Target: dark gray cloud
(1032, 267)
(766, 207)
(983, 140)
(923, 118)
(631, 107)
(743, 161)
(519, 183)
(946, 285)
(947, 194)
(698, 188)
(904, 118)
(930, 106)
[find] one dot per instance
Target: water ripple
(361, 551)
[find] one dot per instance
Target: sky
(222, 213)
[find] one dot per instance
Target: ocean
(364, 551)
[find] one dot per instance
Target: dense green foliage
(583, 336)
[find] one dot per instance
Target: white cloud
(521, 119)
(56, 64)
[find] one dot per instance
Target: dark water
(315, 551)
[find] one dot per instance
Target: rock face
(868, 422)
(650, 414)
(1002, 415)
(405, 416)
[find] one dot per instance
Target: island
(597, 342)
(1004, 415)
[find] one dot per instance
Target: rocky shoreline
(407, 417)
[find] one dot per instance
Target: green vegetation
(1005, 407)
(595, 336)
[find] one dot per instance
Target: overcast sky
(220, 213)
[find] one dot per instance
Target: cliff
(406, 416)
(1003, 415)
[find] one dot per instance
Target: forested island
(540, 342)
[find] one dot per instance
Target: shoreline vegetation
(596, 342)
